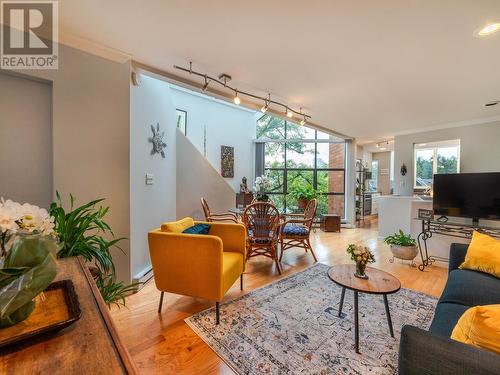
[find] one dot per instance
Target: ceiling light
(377, 145)
(236, 99)
(206, 83)
(491, 104)
(223, 80)
(303, 121)
(489, 29)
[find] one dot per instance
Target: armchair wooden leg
(241, 282)
(312, 252)
(281, 248)
(276, 260)
(161, 302)
(217, 312)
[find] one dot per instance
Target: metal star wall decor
(157, 141)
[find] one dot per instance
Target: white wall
(26, 140)
(479, 151)
(197, 178)
(150, 205)
(226, 125)
(384, 162)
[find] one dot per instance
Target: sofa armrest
(457, 255)
(421, 352)
(188, 264)
(233, 235)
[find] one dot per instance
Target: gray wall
(384, 162)
(90, 138)
(479, 151)
(150, 205)
(197, 178)
(25, 140)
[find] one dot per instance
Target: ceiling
(367, 69)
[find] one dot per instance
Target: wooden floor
(164, 344)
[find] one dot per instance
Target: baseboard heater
(143, 277)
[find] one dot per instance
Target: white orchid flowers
(25, 218)
(262, 184)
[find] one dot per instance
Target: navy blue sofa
(433, 352)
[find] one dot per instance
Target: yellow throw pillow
(479, 326)
(177, 226)
(483, 255)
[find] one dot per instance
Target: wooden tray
(57, 310)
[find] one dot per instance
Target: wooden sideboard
(89, 346)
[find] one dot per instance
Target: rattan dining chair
(295, 232)
(210, 217)
(261, 220)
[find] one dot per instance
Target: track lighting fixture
(236, 99)
(265, 107)
(377, 145)
(303, 121)
(223, 81)
(206, 83)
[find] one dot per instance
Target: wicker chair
(210, 217)
(261, 220)
(295, 232)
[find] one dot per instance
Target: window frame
(434, 147)
(314, 169)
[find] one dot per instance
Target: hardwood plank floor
(164, 344)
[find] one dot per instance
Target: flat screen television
(470, 195)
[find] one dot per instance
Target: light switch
(149, 179)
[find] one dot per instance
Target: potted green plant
(403, 246)
(302, 193)
(83, 231)
(261, 186)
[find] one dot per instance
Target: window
(373, 182)
(435, 158)
(298, 155)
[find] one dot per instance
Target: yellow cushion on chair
(177, 226)
(479, 326)
(483, 255)
(232, 267)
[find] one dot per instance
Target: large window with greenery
(435, 158)
(297, 157)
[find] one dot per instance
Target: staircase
(197, 178)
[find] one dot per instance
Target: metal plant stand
(457, 230)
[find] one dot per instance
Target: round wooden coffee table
(378, 282)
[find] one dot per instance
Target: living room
(324, 202)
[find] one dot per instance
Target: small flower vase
(360, 271)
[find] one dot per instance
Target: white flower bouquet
(362, 256)
(16, 218)
(261, 186)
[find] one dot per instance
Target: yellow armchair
(196, 265)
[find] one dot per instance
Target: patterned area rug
(292, 327)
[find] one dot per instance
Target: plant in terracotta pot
(403, 246)
(361, 255)
(302, 193)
